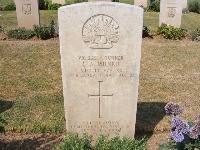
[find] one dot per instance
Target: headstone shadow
(149, 114)
(46, 142)
(4, 105)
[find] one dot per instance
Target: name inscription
(100, 126)
(101, 66)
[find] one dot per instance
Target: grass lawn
(6, 2)
(31, 89)
(190, 21)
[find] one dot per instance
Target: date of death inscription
(95, 126)
(101, 66)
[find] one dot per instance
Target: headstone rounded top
(101, 3)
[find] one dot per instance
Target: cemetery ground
(31, 100)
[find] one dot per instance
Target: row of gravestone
(28, 12)
(143, 3)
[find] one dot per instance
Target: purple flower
(175, 122)
(198, 119)
(177, 136)
(180, 125)
(184, 127)
(173, 109)
(194, 132)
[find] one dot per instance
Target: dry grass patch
(170, 71)
(30, 77)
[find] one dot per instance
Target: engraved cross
(99, 96)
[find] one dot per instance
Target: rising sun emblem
(100, 32)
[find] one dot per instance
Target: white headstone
(171, 12)
(100, 58)
(184, 4)
(58, 2)
(142, 3)
(27, 13)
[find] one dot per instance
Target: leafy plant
(185, 11)
(146, 32)
(69, 2)
(10, 7)
(1, 28)
(154, 5)
(170, 32)
(195, 35)
(2, 123)
(184, 135)
(73, 142)
(45, 32)
(116, 143)
(1, 7)
(194, 6)
(43, 4)
(54, 6)
(20, 34)
(79, 1)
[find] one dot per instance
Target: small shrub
(184, 135)
(2, 125)
(194, 6)
(117, 143)
(1, 8)
(54, 6)
(73, 142)
(45, 32)
(146, 32)
(1, 28)
(80, 1)
(170, 32)
(69, 2)
(195, 35)
(185, 11)
(43, 4)
(20, 34)
(155, 6)
(10, 7)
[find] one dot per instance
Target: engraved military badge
(100, 32)
(26, 9)
(171, 11)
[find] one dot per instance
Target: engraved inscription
(100, 126)
(26, 9)
(100, 32)
(93, 66)
(99, 96)
(171, 11)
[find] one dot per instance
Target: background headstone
(184, 4)
(171, 12)
(142, 3)
(58, 2)
(100, 59)
(27, 13)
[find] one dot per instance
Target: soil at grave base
(32, 141)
